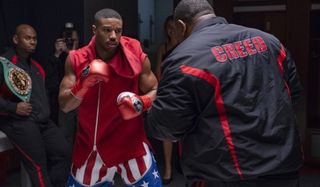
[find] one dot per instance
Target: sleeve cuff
(12, 107)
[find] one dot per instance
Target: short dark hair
(188, 10)
(106, 13)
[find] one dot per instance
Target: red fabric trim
(72, 60)
(198, 184)
(129, 173)
(119, 170)
(42, 72)
(214, 82)
(38, 168)
(282, 56)
(134, 55)
(288, 88)
(102, 172)
(14, 59)
(201, 184)
(147, 103)
(74, 170)
(89, 168)
(141, 165)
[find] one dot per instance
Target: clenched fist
(24, 109)
(97, 71)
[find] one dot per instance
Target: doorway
(152, 14)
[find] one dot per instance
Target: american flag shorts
(94, 171)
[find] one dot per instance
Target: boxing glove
(131, 105)
(95, 72)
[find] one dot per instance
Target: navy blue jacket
(227, 94)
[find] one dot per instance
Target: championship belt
(17, 80)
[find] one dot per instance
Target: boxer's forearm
(68, 102)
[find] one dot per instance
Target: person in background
(25, 113)
(163, 51)
(227, 94)
(111, 84)
(167, 46)
(68, 40)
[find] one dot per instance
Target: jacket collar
(208, 22)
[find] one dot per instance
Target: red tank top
(117, 140)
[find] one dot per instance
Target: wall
(160, 9)
(47, 17)
(164, 8)
(146, 11)
(298, 41)
(12, 13)
(223, 9)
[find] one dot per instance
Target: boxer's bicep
(147, 81)
(67, 101)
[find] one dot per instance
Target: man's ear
(182, 27)
(15, 39)
(180, 30)
(94, 29)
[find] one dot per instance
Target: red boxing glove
(132, 105)
(95, 72)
